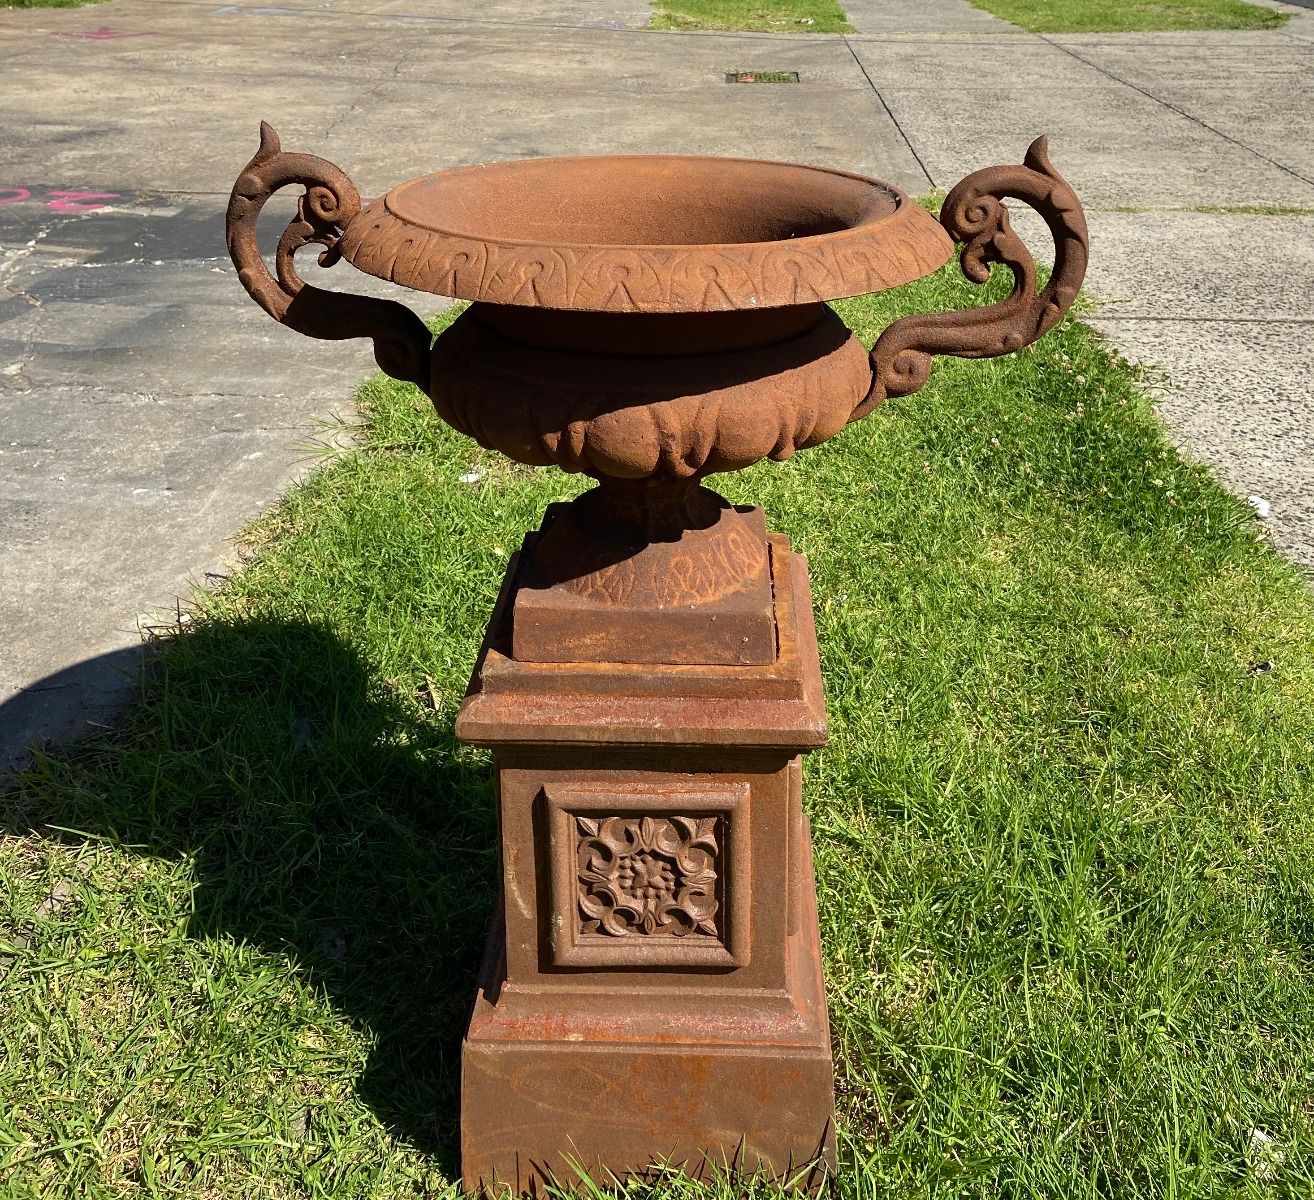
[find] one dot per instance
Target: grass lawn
(46, 3)
(1120, 16)
(1064, 825)
(772, 16)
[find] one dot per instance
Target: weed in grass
(761, 77)
(46, 3)
(1244, 210)
(1064, 825)
(933, 200)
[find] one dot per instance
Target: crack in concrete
(907, 141)
(77, 264)
(8, 284)
(1098, 316)
(370, 92)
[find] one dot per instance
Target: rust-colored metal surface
(726, 708)
(622, 575)
(650, 321)
(974, 214)
(330, 201)
(646, 234)
(650, 679)
(652, 992)
(662, 412)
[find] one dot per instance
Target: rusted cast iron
(653, 989)
(974, 213)
(329, 203)
(649, 680)
(702, 282)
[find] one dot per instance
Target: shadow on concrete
(69, 705)
(332, 821)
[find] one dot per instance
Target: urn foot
(652, 571)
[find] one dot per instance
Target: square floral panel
(649, 877)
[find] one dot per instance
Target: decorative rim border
(869, 257)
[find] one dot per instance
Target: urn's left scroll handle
(402, 342)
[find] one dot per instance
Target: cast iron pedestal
(651, 991)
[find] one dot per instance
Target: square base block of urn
(652, 989)
(611, 1085)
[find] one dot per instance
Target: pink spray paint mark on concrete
(59, 200)
(76, 202)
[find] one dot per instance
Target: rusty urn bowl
(701, 281)
(649, 321)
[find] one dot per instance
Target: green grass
(1064, 825)
(1256, 210)
(46, 3)
(782, 16)
(1127, 16)
(1229, 210)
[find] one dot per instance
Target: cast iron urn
(651, 991)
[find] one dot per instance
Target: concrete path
(887, 17)
(1154, 130)
(148, 409)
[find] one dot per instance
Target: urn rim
(568, 233)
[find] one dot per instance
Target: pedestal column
(652, 989)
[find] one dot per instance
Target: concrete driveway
(148, 409)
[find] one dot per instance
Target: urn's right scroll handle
(974, 213)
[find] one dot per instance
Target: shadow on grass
(330, 820)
